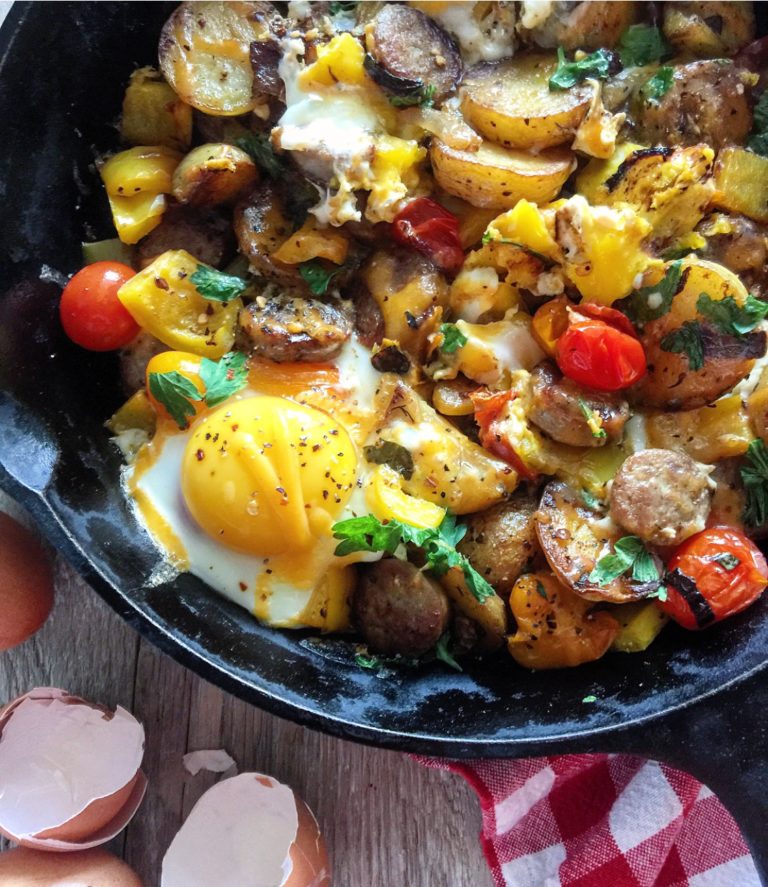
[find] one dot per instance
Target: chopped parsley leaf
(687, 340)
(591, 501)
(387, 452)
(629, 553)
(600, 65)
(758, 140)
(729, 316)
(367, 661)
(453, 338)
(424, 97)
(726, 560)
(659, 85)
(589, 699)
(443, 652)
(317, 277)
(754, 475)
(642, 44)
(368, 533)
(216, 286)
(541, 590)
(594, 420)
(176, 393)
(654, 301)
(223, 378)
(259, 149)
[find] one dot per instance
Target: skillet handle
(723, 742)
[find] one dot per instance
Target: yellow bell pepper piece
(395, 174)
(310, 242)
(640, 624)
(164, 301)
(328, 608)
(338, 61)
(741, 179)
(140, 170)
(135, 217)
(387, 501)
(153, 114)
(136, 413)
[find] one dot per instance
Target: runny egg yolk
(266, 475)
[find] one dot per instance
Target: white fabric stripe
(646, 806)
(536, 869)
(517, 805)
(739, 872)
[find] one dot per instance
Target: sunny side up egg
(246, 497)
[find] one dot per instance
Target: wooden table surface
(388, 821)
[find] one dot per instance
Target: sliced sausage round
(707, 102)
(661, 496)
(502, 540)
(207, 235)
(287, 329)
(561, 408)
(411, 46)
(398, 609)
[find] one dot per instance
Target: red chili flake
(200, 455)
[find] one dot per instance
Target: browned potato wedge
(555, 627)
(204, 53)
(587, 25)
(411, 294)
(709, 27)
(573, 540)
(670, 382)
(261, 226)
(498, 177)
(490, 615)
(511, 103)
(212, 175)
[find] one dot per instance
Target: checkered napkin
(603, 821)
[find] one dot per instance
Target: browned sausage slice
(661, 496)
(206, 235)
(707, 102)
(559, 407)
(398, 609)
(409, 45)
(286, 329)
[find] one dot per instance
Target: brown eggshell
(309, 856)
(26, 583)
(23, 867)
(102, 818)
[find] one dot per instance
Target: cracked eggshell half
(250, 829)
(23, 867)
(70, 776)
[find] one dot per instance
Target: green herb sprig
(642, 44)
(592, 418)
(453, 338)
(687, 340)
(216, 286)
(659, 85)
(368, 533)
(654, 301)
(259, 149)
(599, 65)
(758, 139)
(730, 317)
(629, 556)
(754, 475)
(424, 97)
(317, 277)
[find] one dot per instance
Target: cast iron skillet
(698, 701)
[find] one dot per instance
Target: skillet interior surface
(55, 456)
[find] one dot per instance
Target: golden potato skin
(588, 25)
(490, 616)
(497, 177)
(510, 103)
(555, 627)
(688, 26)
(213, 174)
(501, 541)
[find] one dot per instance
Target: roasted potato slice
(741, 178)
(204, 53)
(153, 114)
(586, 25)
(511, 103)
(574, 538)
(212, 175)
(555, 627)
(708, 27)
(490, 616)
(671, 382)
(497, 177)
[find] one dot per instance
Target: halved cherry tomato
(426, 226)
(612, 316)
(712, 575)
(91, 313)
(488, 409)
(550, 322)
(600, 356)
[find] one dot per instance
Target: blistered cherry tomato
(488, 410)
(612, 316)
(91, 313)
(600, 356)
(712, 575)
(430, 229)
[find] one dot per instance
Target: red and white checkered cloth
(603, 821)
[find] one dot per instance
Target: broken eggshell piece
(250, 829)
(70, 773)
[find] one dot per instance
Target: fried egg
(246, 497)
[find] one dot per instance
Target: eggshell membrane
(26, 583)
(250, 829)
(102, 818)
(22, 867)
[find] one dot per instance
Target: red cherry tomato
(600, 356)
(428, 228)
(712, 575)
(612, 316)
(91, 313)
(488, 410)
